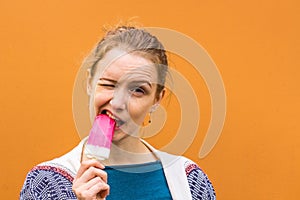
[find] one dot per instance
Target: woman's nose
(118, 101)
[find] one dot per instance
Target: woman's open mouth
(118, 121)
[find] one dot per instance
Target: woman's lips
(118, 121)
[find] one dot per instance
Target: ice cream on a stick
(100, 137)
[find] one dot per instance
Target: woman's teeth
(118, 121)
(111, 116)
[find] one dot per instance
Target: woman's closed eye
(106, 85)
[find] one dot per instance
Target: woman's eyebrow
(107, 79)
(140, 83)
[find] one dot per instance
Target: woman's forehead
(120, 66)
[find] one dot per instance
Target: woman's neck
(129, 151)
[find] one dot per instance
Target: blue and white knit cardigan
(53, 179)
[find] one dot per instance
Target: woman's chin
(119, 135)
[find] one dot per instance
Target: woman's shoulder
(199, 183)
(48, 182)
(53, 179)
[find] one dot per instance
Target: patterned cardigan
(53, 179)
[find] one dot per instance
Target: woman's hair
(132, 40)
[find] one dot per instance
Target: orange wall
(254, 44)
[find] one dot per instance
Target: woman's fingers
(94, 188)
(91, 173)
(103, 194)
(91, 181)
(87, 164)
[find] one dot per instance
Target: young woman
(126, 81)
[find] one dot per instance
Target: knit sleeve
(200, 186)
(47, 182)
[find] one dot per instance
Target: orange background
(255, 46)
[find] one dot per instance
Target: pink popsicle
(100, 137)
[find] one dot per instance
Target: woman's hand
(90, 182)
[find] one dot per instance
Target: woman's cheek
(101, 98)
(138, 112)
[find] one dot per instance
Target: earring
(147, 119)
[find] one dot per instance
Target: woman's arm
(47, 182)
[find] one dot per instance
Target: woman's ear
(161, 96)
(158, 100)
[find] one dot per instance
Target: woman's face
(124, 88)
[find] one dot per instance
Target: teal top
(139, 181)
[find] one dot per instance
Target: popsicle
(100, 137)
